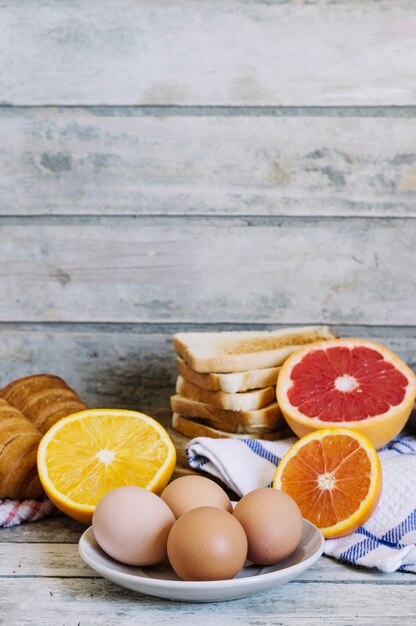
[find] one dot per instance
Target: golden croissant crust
(28, 408)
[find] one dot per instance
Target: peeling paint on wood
(281, 271)
(75, 162)
(188, 52)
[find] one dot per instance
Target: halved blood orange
(351, 383)
(334, 476)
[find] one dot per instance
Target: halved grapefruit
(349, 383)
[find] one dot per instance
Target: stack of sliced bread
(227, 380)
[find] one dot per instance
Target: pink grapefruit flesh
(348, 382)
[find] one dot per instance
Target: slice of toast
(233, 427)
(267, 418)
(239, 351)
(244, 401)
(230, 383)
(191, 428)
(236, 428)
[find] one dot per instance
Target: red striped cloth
(15, 512)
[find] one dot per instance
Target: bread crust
(267, 418)
(19, 441)
(244, 401)
(239, 351)
(192, 428)
(43, 398)
(29, 406)
(234, 382)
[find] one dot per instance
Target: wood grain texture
(83, 162)
(128, 366)
(243, 270)
(188, 52)
(61, 560)
(108, 369)
(59, 529)
(97, 601)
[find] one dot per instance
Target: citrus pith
(351, 383)
(87, 454)
(334, 475)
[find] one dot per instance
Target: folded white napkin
(388, 539)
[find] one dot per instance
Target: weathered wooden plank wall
(240, 270)
(140, 161)
(176, 165)
(239, 52)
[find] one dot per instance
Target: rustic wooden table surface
(44, 582)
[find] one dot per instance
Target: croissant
(19, 441)
(28, 408)
(43, 398)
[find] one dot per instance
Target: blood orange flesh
(352, 383)
(345, 384)
(334, 476)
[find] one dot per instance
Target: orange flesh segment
(84, 459)
(336, 462)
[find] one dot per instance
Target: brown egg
(273, 524)
(132, 525)
(207, 544)
(190, 492)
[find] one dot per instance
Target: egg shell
(272, 522)
(190, 492)
(207, 543)
(132, 525)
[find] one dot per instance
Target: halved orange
(87, 454)
(334, 476)
(351, 383)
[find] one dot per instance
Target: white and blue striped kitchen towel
(387, 541)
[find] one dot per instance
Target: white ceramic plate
(161, 581)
